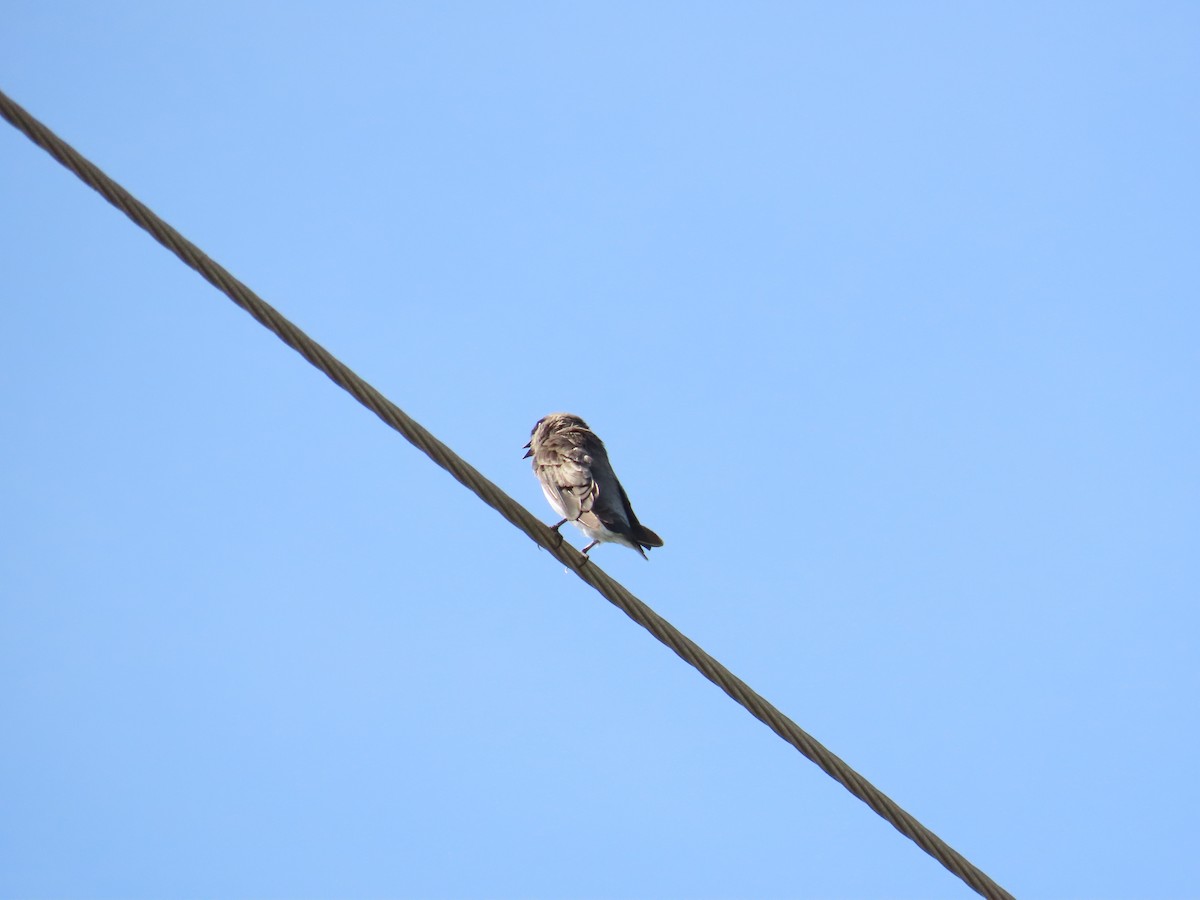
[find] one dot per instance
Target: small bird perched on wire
(578, 481)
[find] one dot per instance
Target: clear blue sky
(888, 314)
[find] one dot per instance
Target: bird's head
(552, 424)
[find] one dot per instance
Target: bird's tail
(646, 537)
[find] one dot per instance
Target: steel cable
(494, 497)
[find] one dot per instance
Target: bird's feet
(558, 533)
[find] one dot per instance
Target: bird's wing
(610, 504)
(637, 530)
(566, 477)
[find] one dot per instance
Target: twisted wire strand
(494, 497)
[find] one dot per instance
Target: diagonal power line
(490, 494)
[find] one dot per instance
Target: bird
(580, 485)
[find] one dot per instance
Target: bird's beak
(528, 447)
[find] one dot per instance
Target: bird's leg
(585, 550)
(558, 533)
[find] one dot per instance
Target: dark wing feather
(611, 507)
(637, 530)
